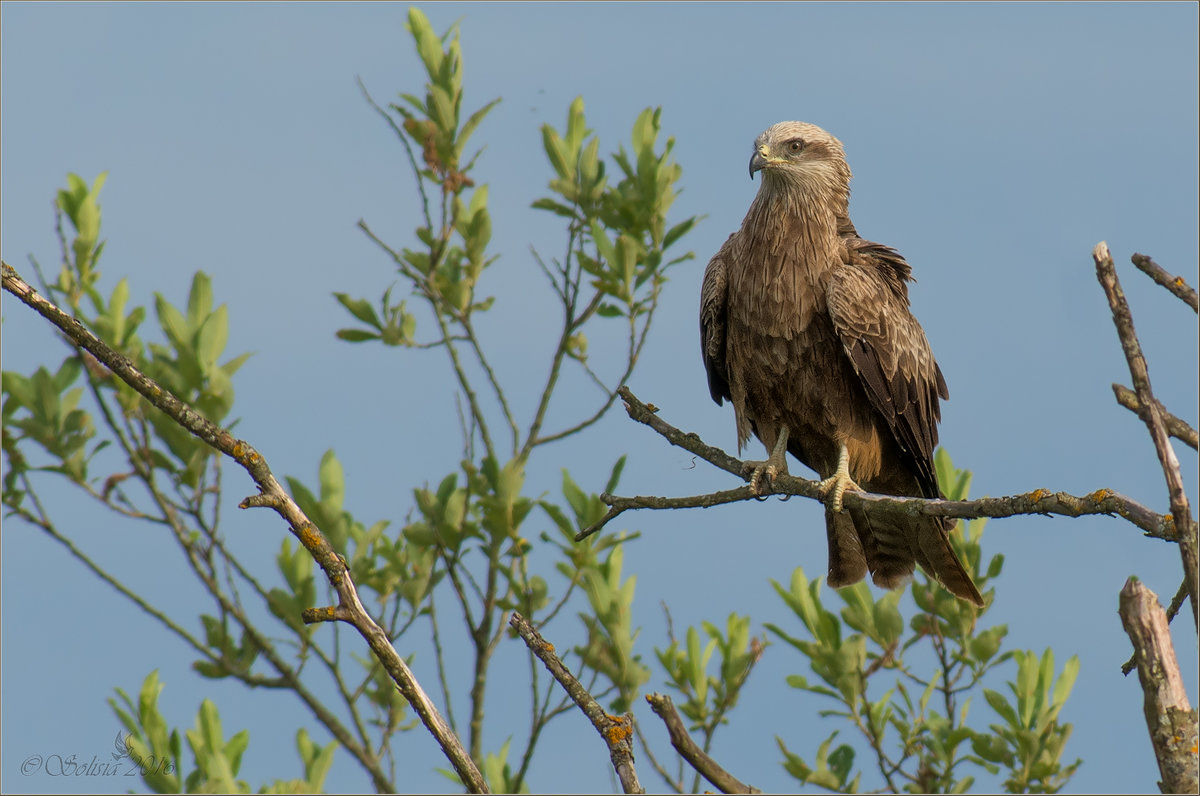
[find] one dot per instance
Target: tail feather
(890, 556)
(891, 551)
(847, 560)
(934, 540)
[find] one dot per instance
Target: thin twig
(1185, 529)
(464, 320)
(617, 731)
(412, 158)
(1175, 284)
(683, 743)
(350, 608)
(1177, 601)
(440, 659)
(42, 521)
(568, 297)
(1179, 429)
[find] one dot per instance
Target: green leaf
(1001, 706)
(888, 622)
(356, 335)
(992, 748)
(556, 153)
(441, 110)
(333, 482)
(428, 44)
(471, 123)
(576, 127)
(801, 683)
(794, 764)
(1066, 681)
(841, 761)
(1025, 687)
(553, 206)
(219, 767)
(607, 252)
(360, 309)
(235, 748)
(577, 500)
(986, 644)
(214, 334)
(615, 476)
(316, 771)
(172, 323)
(678, 231)
(200, 300)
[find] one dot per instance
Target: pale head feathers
(803, 161)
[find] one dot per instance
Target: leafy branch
(271, 495)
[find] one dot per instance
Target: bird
(806, 329)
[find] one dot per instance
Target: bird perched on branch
(805, 327)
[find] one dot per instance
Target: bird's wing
(713, 301)
(868, 303)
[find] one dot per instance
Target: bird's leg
(835, 486)
(775, 463)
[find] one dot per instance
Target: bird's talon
(835, 486)
(757, 471)
(774, 464)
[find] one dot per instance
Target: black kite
(805, 327)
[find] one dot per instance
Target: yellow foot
(772, 467)
(835, 486)
(757, 470)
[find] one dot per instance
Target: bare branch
(1179, 429)
(619, 505)
(1175, 284)
(683, 743)
(1169, 716)
(1173, 609)
(349, 609)
(617, 731)
(1185, 528)
(1039, 501)
(1177, 601)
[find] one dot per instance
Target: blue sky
(992, 144)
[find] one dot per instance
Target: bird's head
(800, 153)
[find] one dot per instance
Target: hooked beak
(757, 161)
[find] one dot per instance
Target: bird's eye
(795, 145)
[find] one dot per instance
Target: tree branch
(1175, 284)
(1179, 429)
(349, 609)
(617, 731)
(1039, 501)
(683, 743)
(1169, 716)
(1172, 609)
(1185, 529)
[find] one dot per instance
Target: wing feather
(868, 303)
(713, 302)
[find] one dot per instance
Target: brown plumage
(805, 328)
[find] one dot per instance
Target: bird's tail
(890, 551)
(933, 535)
(847, 560)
